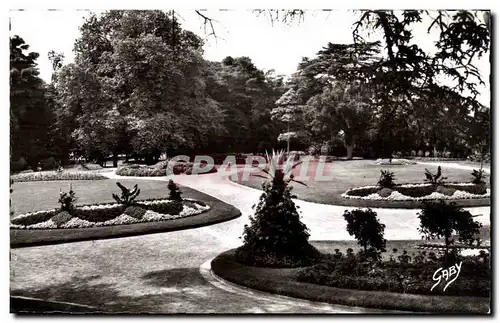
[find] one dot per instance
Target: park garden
(140, 138)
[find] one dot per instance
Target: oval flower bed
(109, 214)
(419, 192)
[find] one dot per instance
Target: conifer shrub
(276, 237)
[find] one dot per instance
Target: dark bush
(440, 219)
(49, 163)
(67, 200)
(368, 231)
(417, 191)
(61, 218)
(385, 192)
(479, 189)
(135, 211)
(171, 208)
(175, 193)
(363, 191)
(99, 215)
(448, 191)
(386, 179)
(35, 218)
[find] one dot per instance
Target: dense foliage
(140, 87)
(402, 274)
(386, 179)
(368, 231)
(440, 220)
(276, 237)
(67, 200)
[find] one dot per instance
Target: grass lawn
(354, 173)
(37, 196)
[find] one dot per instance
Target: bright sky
(242, 33)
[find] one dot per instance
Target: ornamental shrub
(366, 228)
(67, 200)
(276, 237)
(175, 192)
(128, 196)
(440, 220)
(386, 179)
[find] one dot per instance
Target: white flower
(149, 216)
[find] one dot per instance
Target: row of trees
(139, 85)
(388, 96)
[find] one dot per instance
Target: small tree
(440, 220)
(366, 228)
(276, 237)
(67, 200)
(128, 196)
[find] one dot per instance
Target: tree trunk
(349, 150)
(115, 160)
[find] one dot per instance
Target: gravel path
(161, 273)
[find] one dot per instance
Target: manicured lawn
(355, 173)
(43, 196)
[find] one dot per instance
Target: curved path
(161, 273)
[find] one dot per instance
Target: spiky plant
(128, 196)
(386, 179)
(276, 237)
(478, 176)
(434, 179)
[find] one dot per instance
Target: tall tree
(344, 109)
(146, 72)
(29, 116)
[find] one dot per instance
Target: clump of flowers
(67, 200)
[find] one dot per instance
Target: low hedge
(56, 176)
(159, 170)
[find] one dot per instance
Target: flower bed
(56, 176)
(159, 170)
(109, 214)
(420, 192)
(395, 161)
(402, 275)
